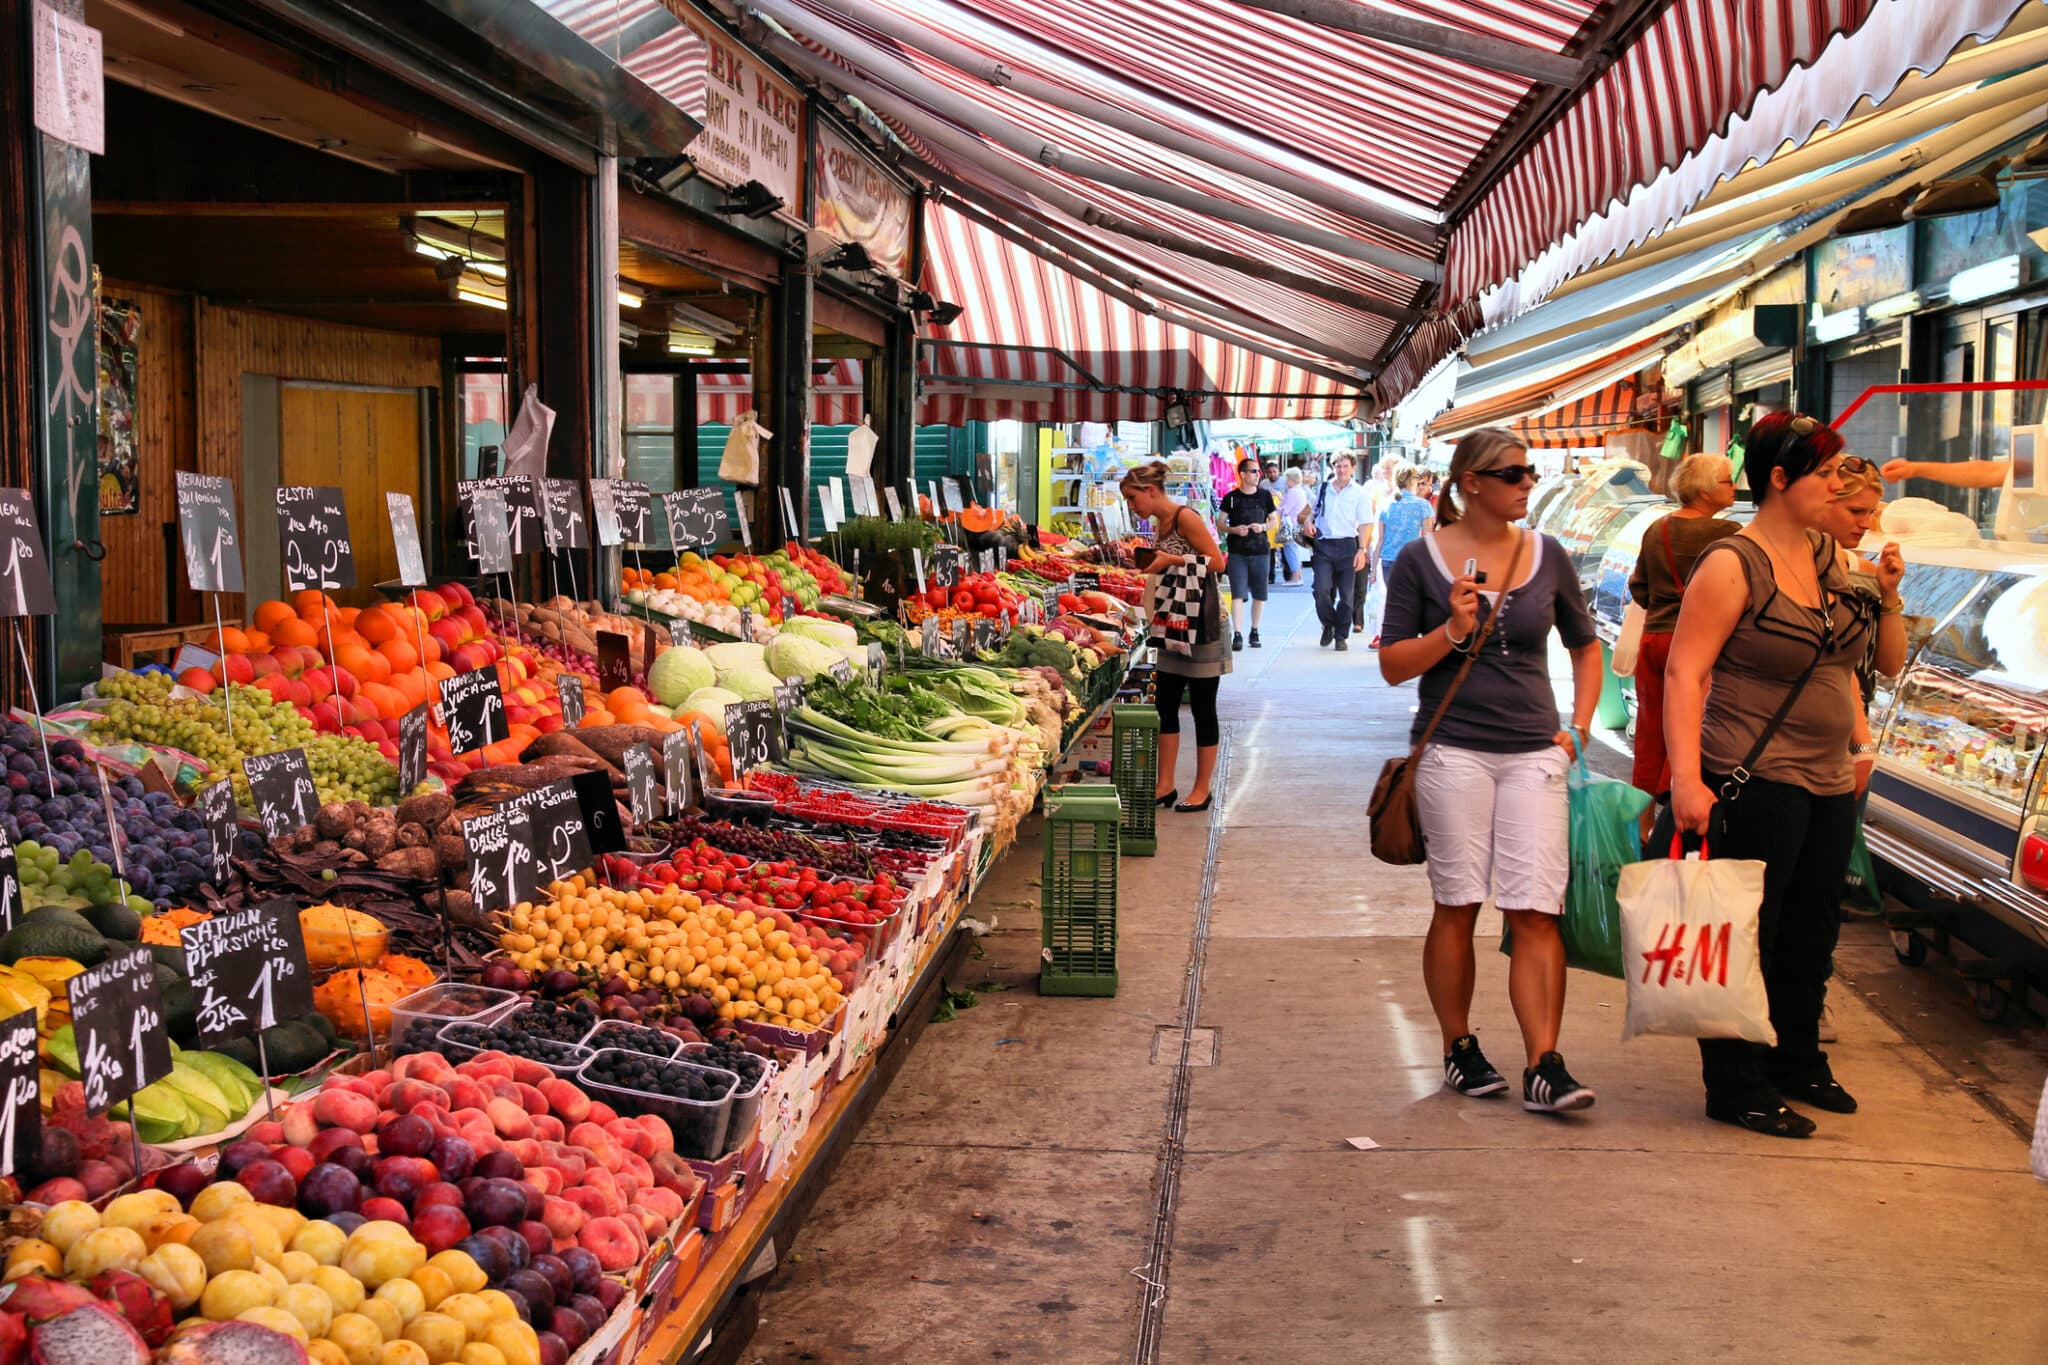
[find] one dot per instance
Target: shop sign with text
(859, 202)
(753, 119)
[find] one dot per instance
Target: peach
(267, 1133)
(658, 1129)
(667, 1203)
(355, 1085)
(565, 1101)
(607, 1186)
(345, 1109)
(408, 1094)
(486, 1065)
(563, 1218)
(590, 1201)
(463, 1093)
(639, 1168)
(602, 1113)
(611, 1241)
(631, 1136)
(527, 1071)
(530, 1097)
(505, 1088)
(301, 1125)
(546, 1179)
(509, 1119)
(527, 1149)
(652, 1224)
(548, 1128)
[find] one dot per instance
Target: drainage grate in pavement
(1166, 1046)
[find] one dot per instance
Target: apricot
(33, 1256)
(518, 1343)
(297, 1267)
(321, 1240)
(463, 1272)
(233, 1292)
(310, 1305)
(404, 1295)
(390, 1323)
(277, 1320)
(176, 1272)
(434, 1284)
(69, 1221)
(404, 1352)
(343, 1290)
(134, 1210)
(324, 1352)
(358, 1338)
(104, 1249)
(216, 1200)
(472, 1312)
(441, 1337)
(477, 1353)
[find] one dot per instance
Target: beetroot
(92, 1335)
(38, 1299)
(137, 1300)
(231, 1343)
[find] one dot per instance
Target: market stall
(466, 979)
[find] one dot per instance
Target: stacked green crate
(1079, 891)
(1134, 767)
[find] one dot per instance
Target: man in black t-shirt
(1246, 512)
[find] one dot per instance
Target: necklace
(1778, 552)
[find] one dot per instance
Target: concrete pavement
(1005, 1201)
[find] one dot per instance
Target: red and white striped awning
(1586, 420)
(1037, 343)
(838, 397)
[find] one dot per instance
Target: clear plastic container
(435, 1005)
(746, 1100)
(653, 1042)
(462, 1039)
(699, 1125)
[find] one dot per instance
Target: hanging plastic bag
(1689, 939)
(1631, 641)
(1604, 838)
(1860, 890)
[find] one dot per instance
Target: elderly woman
(1705, 487)
(1293, 497)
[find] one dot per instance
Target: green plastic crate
(1134, 760)
(1079, 890)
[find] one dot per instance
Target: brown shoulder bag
(1395, 822)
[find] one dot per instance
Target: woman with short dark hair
(1760, 708)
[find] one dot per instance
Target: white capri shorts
(1496, 822)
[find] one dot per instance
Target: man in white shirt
(1336, 518)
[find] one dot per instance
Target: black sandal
(1766, 1117)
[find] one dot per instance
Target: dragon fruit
(137, 1300)
(13, 1339)
(92, 1335)
(38, 1299)
(230, 1343)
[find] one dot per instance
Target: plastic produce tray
(699, 1125)
(445, 1001)
(616, 1033)
(746, 1104)
(462, 1039)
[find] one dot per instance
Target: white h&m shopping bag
(1689, 949)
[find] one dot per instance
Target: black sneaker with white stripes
(1467, 1071)
(1547, 1088)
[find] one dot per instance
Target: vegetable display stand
(1079, 888)
(1135, 769)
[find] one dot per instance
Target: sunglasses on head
(1855, 464)
(1508, 473)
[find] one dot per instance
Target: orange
(597, 715)
(430, 648)
(348, 615)
(623, 699)
(255, 641)
(377, 626)
(413, 683)
(439, 671)
(377, 667)
(233, 641)
(355, 658)
(389, 701)
(268, 614)
(311, 603)
(401, 653)
(292, 631)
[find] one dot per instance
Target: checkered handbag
(1177, 607)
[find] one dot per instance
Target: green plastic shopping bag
(1605, 838)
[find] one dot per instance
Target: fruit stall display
(498, 1122)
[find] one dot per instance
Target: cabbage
(739, 654)
(799, 656)
(823, 631)
(749, 684)
(678, 672)
(710, 701)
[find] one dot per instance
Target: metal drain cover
(1166, 1046)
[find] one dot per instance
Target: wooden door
(365, 441)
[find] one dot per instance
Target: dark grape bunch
(420, 1035)
(648, 1042)
(653, 1076)
(564, 1022)
(511, 1039)
(728, 1055)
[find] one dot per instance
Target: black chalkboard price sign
(206, 525)
(117, 1016)
(312, 534)
(679, 632)
(561, 845)
(751, 730)
(955, 494)
(502, 870)
(675, 770)
(522, 507)
(746, 623)
(216, 806)
(24, 561)
(561, 515)
(639, 765)
(600, 809)
(895, 503)
(789, 699)
(412, 749)
(10, 884)
(984, 635)
(282, 785)
(840, 670)
(405, 538)
(489, 530)
(474, 705)
(604, 502)
(928, 639)
(696, 518)
(1084, 582)
(248, 968)
(571, 689)
(946, 565)
(635, 506)
(614, 660)
(21, 1108)
(1051, 597)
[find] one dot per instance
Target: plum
(499, 1166)
(397, 1178)
(583, 1265)
(329, 1189)
(517, 1253)
(609, 1292)
(498, 1203)
(406, 1135)
(182, 1181)
(437, 1227)
(591, 1309)
(561, 1280)
(490, 1256)
(348, 1220)
(355, 1160)
(519, 1305)
(269, 1182)
(439, 1192)
(539, 1240)
(553, 1350)
(455, 1157)
(532, 1286)
(568, 1324)
(236, 1155)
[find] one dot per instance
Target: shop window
(486, 409)
(650, 432)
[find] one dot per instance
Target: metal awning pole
(1474, 49)
(1270, 174)
(972, 115)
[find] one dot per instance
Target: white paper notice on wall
(71, 103)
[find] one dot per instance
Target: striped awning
(1586, 421)
(1514, 398)
(838, 397)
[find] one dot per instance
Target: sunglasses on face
(1509, 473)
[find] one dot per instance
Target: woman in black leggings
(1180, 536)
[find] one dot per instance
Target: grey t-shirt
(1506, 706)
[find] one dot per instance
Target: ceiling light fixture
(750, 199)
(1965, 194)
(945, 314)
(850, 256)
(630, 298)
(1875, 216)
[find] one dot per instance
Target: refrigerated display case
(1958, 811)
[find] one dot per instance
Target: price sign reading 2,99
(117, 1018)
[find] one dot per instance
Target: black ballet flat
(1768, 1117)
(1169, 798)
(1207, 801)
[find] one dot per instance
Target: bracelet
(1863, 750)
(1463, 646)
(1897, 605)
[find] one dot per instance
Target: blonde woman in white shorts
(1491, 787)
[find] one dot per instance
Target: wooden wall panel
(134, 574)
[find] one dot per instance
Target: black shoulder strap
(1771, 726)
